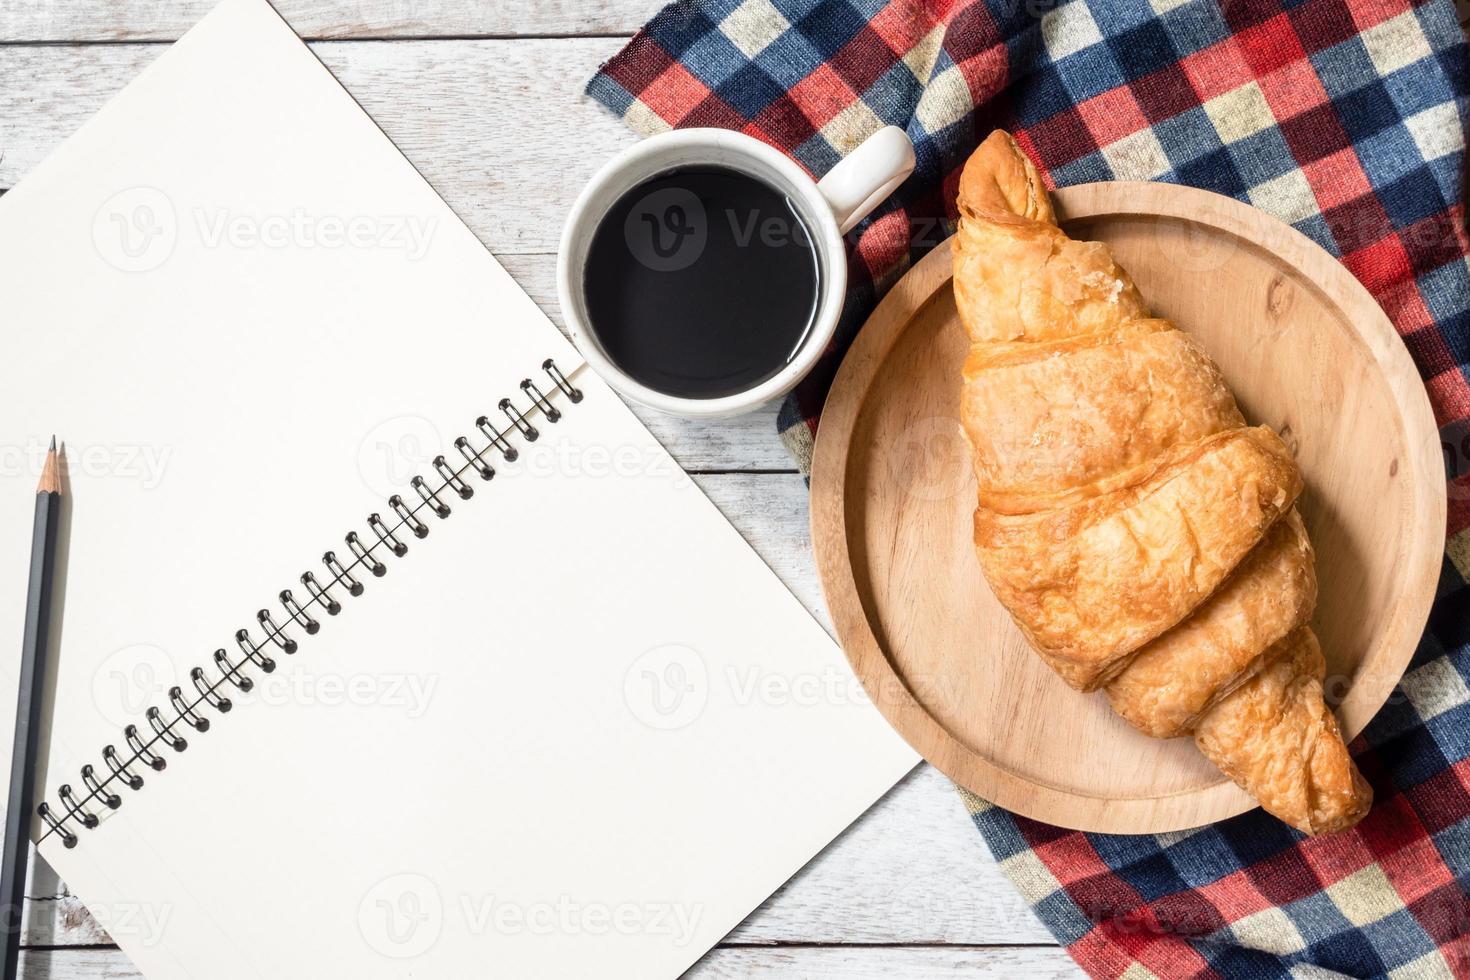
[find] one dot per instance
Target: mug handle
(867, 175)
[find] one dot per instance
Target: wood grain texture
(949, 890)
(500, 128)
(1307, 352)
(911, 870)
(26, 21)
(520, 197)
(839, 963)
(31, 125)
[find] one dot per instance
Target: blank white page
(580, 729)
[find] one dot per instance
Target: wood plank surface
(500, 128)
(26, 21)
(513, 194)
(892, 963)
(493, 115)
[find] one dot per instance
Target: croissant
(1143, 537)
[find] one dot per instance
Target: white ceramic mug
(829, 208)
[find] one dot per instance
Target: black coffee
(702, 282)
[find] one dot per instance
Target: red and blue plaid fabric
(1344, 118)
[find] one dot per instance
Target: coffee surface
(702, 282)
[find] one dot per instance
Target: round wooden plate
(1307, 351)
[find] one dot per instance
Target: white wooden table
(486, 99)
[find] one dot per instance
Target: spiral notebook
(542, 714)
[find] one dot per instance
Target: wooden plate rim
(1421, 558)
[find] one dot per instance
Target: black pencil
(28, 708)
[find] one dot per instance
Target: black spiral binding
(141, 746)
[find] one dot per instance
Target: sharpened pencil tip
(51, 472)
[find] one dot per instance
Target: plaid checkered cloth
(1344, 118)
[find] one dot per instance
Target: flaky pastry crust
(1142, 536)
